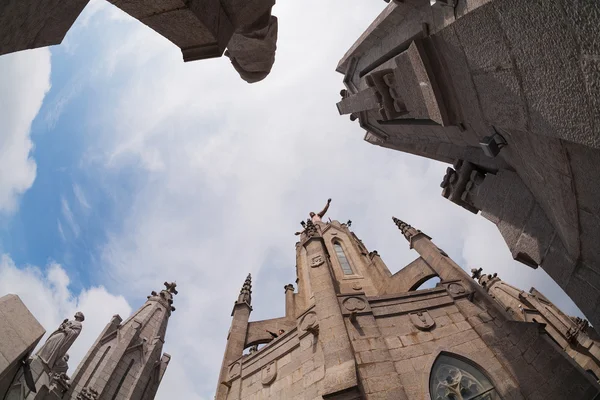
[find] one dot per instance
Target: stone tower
(506, 93)
(354, 330)
(126, 361)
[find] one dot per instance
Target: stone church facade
(125, 363)
(507, 93)
(354, 330)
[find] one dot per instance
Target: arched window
(453, 378)
(342, 259)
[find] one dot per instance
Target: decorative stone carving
(317, 261)
(390, 103)
(456, 288)
(289, 286)
(476, 273)
(356, 286)
(234, 371)
(59, 342)
(171, 287)
(60, 381)
(422, 320)
(311, 229)
(87, 394)
(309, 322)
(581, 326)
(460, 184)
(354, 304)
(269, 373)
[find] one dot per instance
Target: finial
(476, 273)
(408, 231)
(246, 291)
(171, 287)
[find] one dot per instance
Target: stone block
(590, 229)
(483, 41)
(19, 334)
(542, 46)
(28, 25)
(585, 296)
(557, 263)
(140, 9)
(500, 97)
(536, 237)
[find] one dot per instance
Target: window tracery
(339, 251)
(455, 379)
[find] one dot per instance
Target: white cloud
(24, 81)
(47, 295)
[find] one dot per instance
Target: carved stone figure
(317, 217)
(62, 365)
(252, 48)
(59, 342)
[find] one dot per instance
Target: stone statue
(60, 341)
(62, 365)
(317, 217)
(251, 49)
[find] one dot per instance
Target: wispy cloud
(69, 217)
(80, 196)
(61, 231)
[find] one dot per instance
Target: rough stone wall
(38, 23)
(297, 370)
(526, 70)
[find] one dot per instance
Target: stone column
(290, 309)
(340, 366)
(236, 340)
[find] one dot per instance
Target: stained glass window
(455, 379)
(342, 259)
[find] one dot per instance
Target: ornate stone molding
(354, 304)
(422, 320)
(317, 261)
(234, 371)
(309, 323)
(87, 394)
(269, 373)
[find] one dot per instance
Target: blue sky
(150, 169)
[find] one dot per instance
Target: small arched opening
(426, 282)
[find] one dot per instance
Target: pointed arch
(454, 377)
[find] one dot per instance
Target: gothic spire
(246, 291)
(407, 230)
